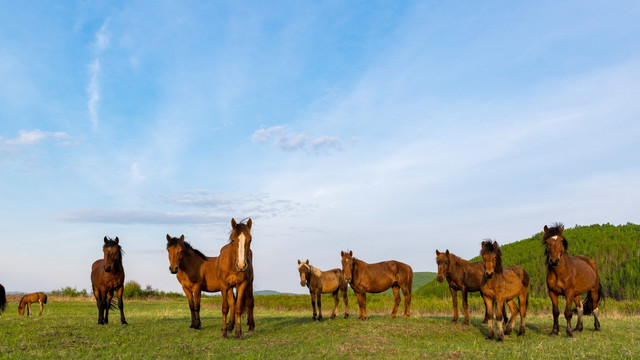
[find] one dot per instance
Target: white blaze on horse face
(241, 255)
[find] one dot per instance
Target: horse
(376, 278)
(570, 276)
(323, 282)
(463, 276)
(197, 272)
(3, 299)
(107, 276)
(503, 285)
(29, 299)
(235, 270)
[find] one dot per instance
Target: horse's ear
(299, 262)
(117, 240)
(168, 237)
(561, 229)
(105, 239)
(546, 229)
(233, 223)
(249, 223)
(437, 252)
(341, 253)
(182, 238)
(495, 245)
(307, 262)
(447, 252)
(350, 252)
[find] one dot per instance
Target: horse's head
(347, 264)
(305, 272)
(442, 259)
(175, 247)
(20, 309)
(241, 239)
(112, 253)
(555, 243)
(491, 258)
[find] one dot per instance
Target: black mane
(109, 242)
(487, 248)
(556, 230)
(176, 242)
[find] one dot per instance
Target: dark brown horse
(463, 276)
(107, 276)
(376, 278)
(197, 272)
(570, 276)
(29, 299)
(3, 299)
(323, 282)
(503, 285)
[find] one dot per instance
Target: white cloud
(288, 140)
(100, 44)
(33, 137)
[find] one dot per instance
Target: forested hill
(616, 250)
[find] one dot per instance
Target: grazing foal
(323, 282)
(29, 299)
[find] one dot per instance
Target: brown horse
(107, 276)
(323, 282)
(197, 272)
(29, 299)
(3, 299)
(570, 276)
(503, 285)
(463, 276)
(376, 278)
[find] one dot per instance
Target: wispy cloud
(33, 137)
(101, 43)
(287, 139)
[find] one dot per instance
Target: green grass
(284, 329)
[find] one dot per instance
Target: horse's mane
(176, 241)
(21, 299)
(487, 248)
(556, 230)
(110, 242)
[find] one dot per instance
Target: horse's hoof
(224, 334)
(333, 316)
(521, 332)
(125, 323)
(455, 321)
(569, 334)
(500, 338)
(238, 335)
(319, 318)
(346, 316)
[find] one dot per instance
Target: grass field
(284, 329)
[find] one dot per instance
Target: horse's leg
(465, 306)
(313, 304)
(319, 302)
(595, 298)
(249, 303)
(238, 308)
(580, 309)
(98, 295)
(396, 300)
(196, 306)
(500, 318)
(41, 307)
(362, 305)
(486, 314)
(488, 302)
(454, 298)
(522, 300)
(513, 307)
(119, 292)
(556, 312)
(225, 309)
(568, 313)
(407, 301)
(189, 295)
(345, 300)
(231, 324)
(107, 306)
(28, 308)
(336, 301)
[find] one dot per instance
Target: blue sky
(388, 128)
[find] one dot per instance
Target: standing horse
(235, 270)
(29, 299)
(463, 276)
(503, 285)
(3, 299)
(107, 276)
(376, 278)
(197, 272)
(323, 282)
(570, 276)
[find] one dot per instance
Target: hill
(616, 250)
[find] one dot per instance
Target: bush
(70, 292)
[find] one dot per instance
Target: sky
(389, 128)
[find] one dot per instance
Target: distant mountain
(270, 292)
(616, 250)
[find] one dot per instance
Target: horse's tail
(45, 299)
(113, 304)
(588, 305)
(3, 299)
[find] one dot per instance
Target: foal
(323, 282)
(29, 299)
(500, 285)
